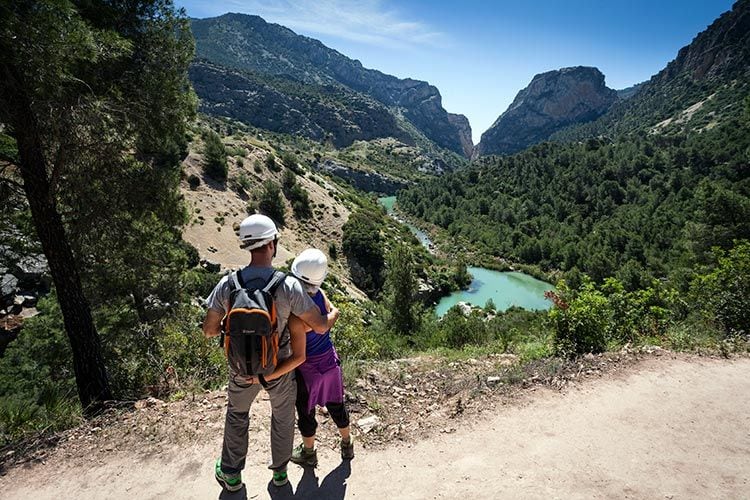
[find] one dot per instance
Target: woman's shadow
(333, 486)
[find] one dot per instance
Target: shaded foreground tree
(89, 89)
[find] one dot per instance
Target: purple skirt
(323, 379)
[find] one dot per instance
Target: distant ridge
(552, 101)
(248, 43)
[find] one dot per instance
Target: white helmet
(311, 266)
(256, 231)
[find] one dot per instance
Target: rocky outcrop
(366, 181)
(722, 51)
(246, 42)
(23, 279)
(461, 123)
(320, 112)
(552, 101)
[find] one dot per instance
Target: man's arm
(212, 323)
(320, 323)
(297, 332)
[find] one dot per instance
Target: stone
(210, 266)
(32, 271)
(493, 380)
(29, 300)
(368, 423)
(8, 285)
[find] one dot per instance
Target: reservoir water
(506, 289)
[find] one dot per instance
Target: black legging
(306, 419)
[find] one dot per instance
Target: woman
(319, 379)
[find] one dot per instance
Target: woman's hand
(252, 379)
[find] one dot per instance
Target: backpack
(249, 333)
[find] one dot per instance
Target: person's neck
(261, 261)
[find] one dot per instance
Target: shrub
(271, 203)
(271, 163)
(194, 181)
(215, 157)
(579, 321)
(725, 292)
(333, 252)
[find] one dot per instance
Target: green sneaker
(304, 456)
(347, 449)
(230, 482)
(280, 478)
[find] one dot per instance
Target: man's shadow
(333, 486)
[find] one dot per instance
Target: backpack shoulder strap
(235, 281)
(276, 279)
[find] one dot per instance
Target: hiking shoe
(304, 456)
(347, 449)
(280, 478)
(230, 482)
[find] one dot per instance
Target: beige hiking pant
(282, 393)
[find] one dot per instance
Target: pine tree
(96, 96)
(401, 292)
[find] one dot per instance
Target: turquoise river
(506, 289)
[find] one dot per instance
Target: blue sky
(481, 53)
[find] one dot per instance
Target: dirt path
(675, 428)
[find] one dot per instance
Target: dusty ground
(659, 426)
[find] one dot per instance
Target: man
(259, 235)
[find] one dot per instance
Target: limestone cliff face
(244, 42)
(552, 101)
(461, 123)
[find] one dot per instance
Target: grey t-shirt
(290, 298)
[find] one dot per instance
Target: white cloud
(364, 21)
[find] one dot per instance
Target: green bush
(457, 330)
(194, 181)
(271, 203)
(724, 293)
(215, 157)
(350, 336)
(580, 320)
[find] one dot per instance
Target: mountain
(644, 191)
(464, 132)
(552, 101)
(248, 43)
(705, 84)
(320, 112)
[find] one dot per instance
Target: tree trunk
(90, 372)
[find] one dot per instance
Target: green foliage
(271, 163)
(642, 207)
(271, 203)
(37, 383)
(296, 194)
(194, 181)
(291, 162)
(401, 287)
(353, 340)
(257, 166)
(724, 293)
(333, 252)
(580, 321)
(215, 157)
(363, 246)
(458, 330)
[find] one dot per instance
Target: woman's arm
(297, 332)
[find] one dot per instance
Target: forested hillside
(645, 206)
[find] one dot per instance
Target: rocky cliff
(320, 112)
(461, 123)
(552, 101)
(246, 42)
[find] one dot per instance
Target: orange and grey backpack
(249, 331)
